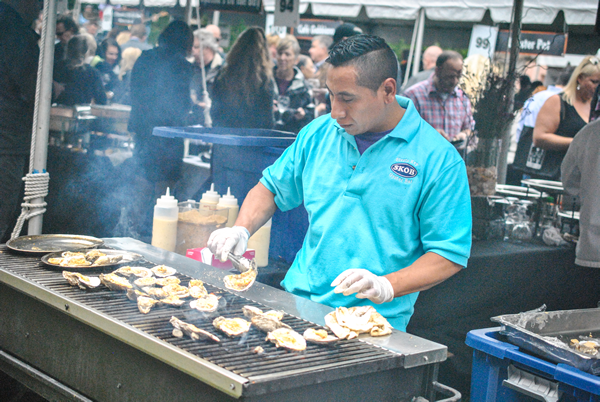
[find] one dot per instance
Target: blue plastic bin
(238, 158)
(502, 373)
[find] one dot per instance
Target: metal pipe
(412, 49)
(44, 103)
(419, 43)
(515, 45)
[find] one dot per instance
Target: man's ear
(389, 89)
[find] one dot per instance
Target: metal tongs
(241, 263)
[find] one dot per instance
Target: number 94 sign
(483, 40)
(287, 13)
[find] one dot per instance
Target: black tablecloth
(501, 278)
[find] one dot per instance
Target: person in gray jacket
(581, 177)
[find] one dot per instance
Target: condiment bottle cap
(228, 199)
(211, 196)
(167, 201)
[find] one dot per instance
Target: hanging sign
(287, 13)
(483, 40)
(536, 43)
(307, 28)
(127, 17)
(247, 6)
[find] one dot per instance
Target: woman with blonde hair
(128, 59)
(561, 117)
(243, 90)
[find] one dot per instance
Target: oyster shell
(93, 255)
(75, 261)
(84, 282)
(140, 272)
(108, 259)
(145, 304)
(168, 280)
(115, 282)
(173, 301)
(162, 271)
(191, 330)
(275, 314)
(251, 311)
(157, 293)
(207, 304)
(240, 282)
(348, 323)
(55, 261)
(287, 338)
(177, 290)
(143, 282)
(133, 294)
(267, 323)
(195, 282)
(67, 254)
(198, 291)
(232, 327)
(319, 336)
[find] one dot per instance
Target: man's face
(207, 53)
(63, 35)
(448, 75)
(317, 51)
(356, 109)
(92, 29)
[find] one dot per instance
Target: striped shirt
(451, 113)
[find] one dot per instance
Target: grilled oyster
(168, 280)
(240, 282)
(319, 336)
(115, 282)
(133, 294)
(108, 259)
(145, 304)
(143, 282)
(198, 291)
(67, 254)
(267, 323)
(93, 255)
(162, 271)
(156, 293)
(195, 282)
(275, 314)
(84, 282)
(207, 304)
(347, 323)
(177, 290)
(232, 327)
(251, 311)
(287, 338)
(55, 261)
(140, 272)
(75, 261)
(172, 301)
(191, 330)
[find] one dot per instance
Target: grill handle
(454, 395)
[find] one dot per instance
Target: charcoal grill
(70, 344)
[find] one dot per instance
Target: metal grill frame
(411, 351)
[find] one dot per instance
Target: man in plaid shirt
(440, 101)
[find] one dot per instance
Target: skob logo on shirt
(405, 170)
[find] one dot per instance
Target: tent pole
(188, 12)
(412, 48)
(44, 103)
(515, 45)
(419, 44)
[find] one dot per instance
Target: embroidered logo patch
(405, 170)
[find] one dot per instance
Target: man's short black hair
(447, 55)
(373, 59)
(68, 23)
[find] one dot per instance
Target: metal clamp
(454, 395)
(531, 385)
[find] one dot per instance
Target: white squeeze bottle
(164, 226)
(210, 199)
(259, 241)
(231, 203)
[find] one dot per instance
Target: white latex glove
(365, 284)
(223, 241)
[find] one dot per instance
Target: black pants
(12, 170)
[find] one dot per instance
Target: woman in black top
(110, 54)
(82, 83)
(561, 117)
(243, 90)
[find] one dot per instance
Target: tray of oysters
(78, 260)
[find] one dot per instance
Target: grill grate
(233, 354)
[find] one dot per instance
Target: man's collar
(432, 89)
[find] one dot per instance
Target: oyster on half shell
(172, 301)
(288, 339)
(168, 280)
(191, 330)
(147, 281)
(198, 291)
(240, 282)
(177, 290)
(145, 304)
(162, 271)
(115, 282)
(251, 311)
(348, 323)
(319, 336)
(267, 323)
(84, 282)
(232, 327)
(140, 272)
(207, 304)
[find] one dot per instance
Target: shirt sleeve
(468, 122)
(445, 215)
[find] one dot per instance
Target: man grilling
(387, 196)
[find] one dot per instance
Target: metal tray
(550, 186)
(518, 191)
(127, 258)
(51, 243)
(547, 334)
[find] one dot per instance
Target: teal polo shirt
(406, 195)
